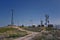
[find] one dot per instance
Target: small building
(50, 25)
(33, 25)
(42, 25)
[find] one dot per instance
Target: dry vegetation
(8, 33)
(48, 35)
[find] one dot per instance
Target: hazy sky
(26, 10)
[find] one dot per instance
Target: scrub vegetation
(8, 33)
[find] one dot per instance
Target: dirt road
(28, 37)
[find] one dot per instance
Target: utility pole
(41, 22)
(31, 22)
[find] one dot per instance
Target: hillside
(10, 33)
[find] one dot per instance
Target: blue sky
(26, 10)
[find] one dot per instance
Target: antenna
(12, 22)
(31, 22)
(47, 19)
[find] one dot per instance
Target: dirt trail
(27, 37)
(23, 30)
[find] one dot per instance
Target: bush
(38, 26)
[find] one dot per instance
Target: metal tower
(47, 19)
(12, 22)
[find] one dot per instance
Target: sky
(29, 12)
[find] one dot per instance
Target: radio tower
(12, 22)
(47, 19)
